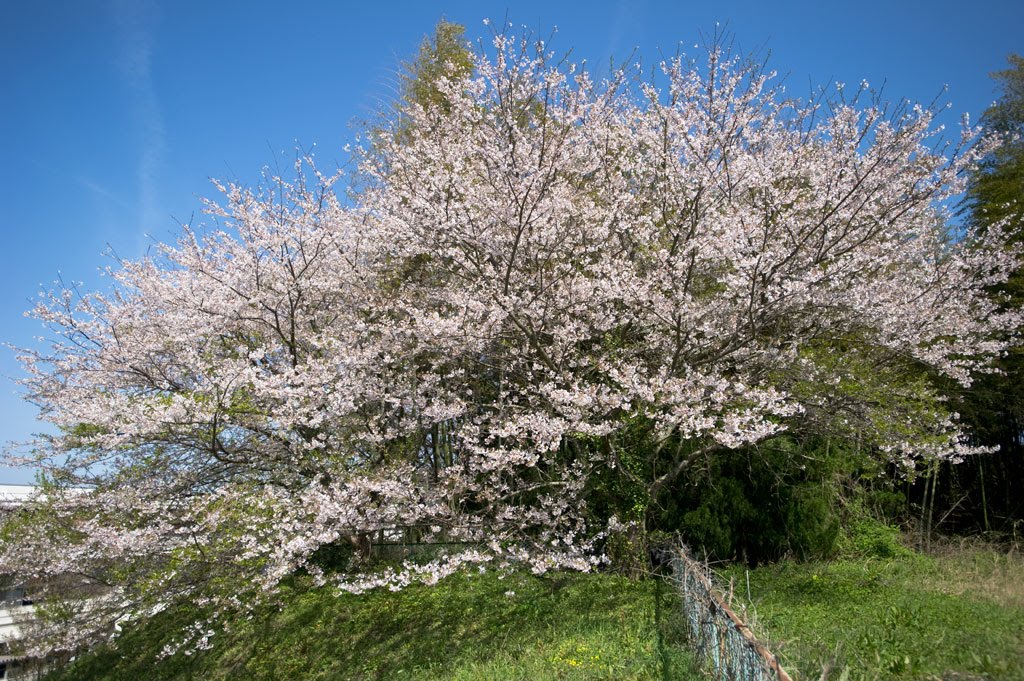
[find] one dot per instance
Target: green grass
(470, 627)
(881, 612)
(955, 615)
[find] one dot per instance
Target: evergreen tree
(995, 405)
(445, 56)
(996, 193)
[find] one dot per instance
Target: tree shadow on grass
(464, 619)
(418, 632)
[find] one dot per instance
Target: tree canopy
(545, 280)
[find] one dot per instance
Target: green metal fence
(719, 636)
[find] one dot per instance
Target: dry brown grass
(974, 567)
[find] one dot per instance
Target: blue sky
(115, 114)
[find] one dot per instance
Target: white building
(11, 613)
(14, 604)
(12, 496)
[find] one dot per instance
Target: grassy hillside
(892, 614)
(469, 627)
(880, 612)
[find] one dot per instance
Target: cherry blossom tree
(544, 280)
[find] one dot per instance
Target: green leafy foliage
(761, 503)
(866, 537)
(445, 55)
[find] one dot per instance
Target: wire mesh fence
(716, 633)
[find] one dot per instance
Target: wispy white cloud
(101, 191)
(136, 21)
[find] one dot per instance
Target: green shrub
(813, 525)
(626, 551)
(759, 503)
(869, 538)
(887, 504)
